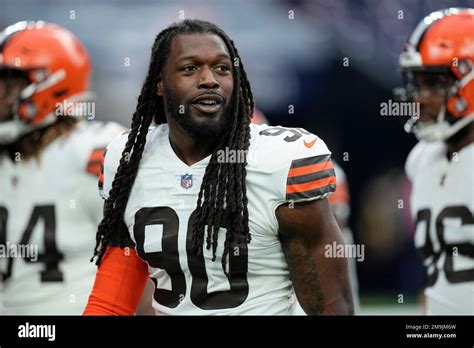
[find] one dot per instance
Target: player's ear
(159, 86)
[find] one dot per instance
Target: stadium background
(331, 62)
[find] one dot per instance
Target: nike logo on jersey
(309, 144)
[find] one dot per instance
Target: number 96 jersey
(284, 165)
(442, 204)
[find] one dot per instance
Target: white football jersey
(442, 205)
(284, 164)
(50, 209)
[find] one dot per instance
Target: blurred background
(322, 65)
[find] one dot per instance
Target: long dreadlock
(220, 202)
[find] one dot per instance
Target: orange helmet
(444, 42)
(57, 66)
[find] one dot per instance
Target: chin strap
(440, 131)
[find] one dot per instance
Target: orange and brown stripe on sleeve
(101, 174)
(95, 164)
(310, 177)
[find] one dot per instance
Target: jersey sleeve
(85, 147)
(310, 177)
(306, 170)
(297, 164)
(110, 163)
(93, 140)
(95, 161)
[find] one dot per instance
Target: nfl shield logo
(186, 181)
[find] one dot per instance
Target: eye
(223, 68)
(188, 68)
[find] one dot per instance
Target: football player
(224, 216)
(439, 64)
(50, 157)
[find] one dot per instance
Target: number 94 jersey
(49, 212)
(284, 165)
(442, 204)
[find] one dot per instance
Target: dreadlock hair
(222, 199)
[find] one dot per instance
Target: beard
(211, 126)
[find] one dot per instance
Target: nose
(207, 79)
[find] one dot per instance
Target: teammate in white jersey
(50, 158)
(256, 236)
(439, 63)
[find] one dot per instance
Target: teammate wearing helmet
(50, 156)
(439, 64)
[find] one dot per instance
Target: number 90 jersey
(284, 165)
(442, 204)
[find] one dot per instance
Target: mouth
(208, 103)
